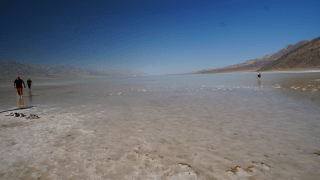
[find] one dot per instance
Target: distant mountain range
(9, 68)
(255, 64)
(305, 56)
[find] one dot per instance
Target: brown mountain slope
(306, 56)
(257, 63)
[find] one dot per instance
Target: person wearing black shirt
(18, 85)
(29, 83)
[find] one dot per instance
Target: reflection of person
(21, 104)
(29, 83)
(18, 85)
(30, 96)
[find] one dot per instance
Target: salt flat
(227, 126)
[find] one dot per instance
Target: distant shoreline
(34, 78)
(296, 70)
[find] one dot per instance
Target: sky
(152, 36)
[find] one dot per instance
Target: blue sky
(155, 37)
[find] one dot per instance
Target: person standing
(29, 83)
(18, 85)
(259, 74)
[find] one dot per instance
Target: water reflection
(30, 96)
(20, 104)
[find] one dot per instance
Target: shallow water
(226, 126)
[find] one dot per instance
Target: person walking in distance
(29, 83)
(18, 85)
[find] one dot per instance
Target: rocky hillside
(306, 56)
(257, 63)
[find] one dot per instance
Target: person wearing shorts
(18, 85)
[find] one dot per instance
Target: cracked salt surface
(202, 133)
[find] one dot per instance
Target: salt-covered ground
(227, 126)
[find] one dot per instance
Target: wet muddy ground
(170, 127)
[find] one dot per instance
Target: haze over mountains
(9, 68)
(304, 54)
(255, 64)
